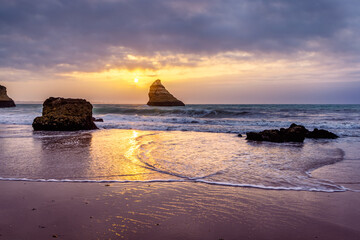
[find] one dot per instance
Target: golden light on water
(114, 154)
(133, 146)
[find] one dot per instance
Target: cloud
(82, 35)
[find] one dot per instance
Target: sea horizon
(144, 103)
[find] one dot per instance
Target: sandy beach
(32, 210)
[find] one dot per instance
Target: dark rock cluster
(295, 133)
(97, 119)
(321, 133)
(65, 114)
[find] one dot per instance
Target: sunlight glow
(118, 157)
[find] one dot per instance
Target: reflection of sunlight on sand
(114, 156)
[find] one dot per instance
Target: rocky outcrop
(321, 133)
(159, 96)
(295, 133)
(97, 119)
(5, 101)
(65, 114)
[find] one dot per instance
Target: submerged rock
(295, 133)
(97, 119)
(159, 96)
(5, 101)
(65, 114)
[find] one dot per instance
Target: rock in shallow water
(321, 134)
(5, 101)
(159, 96)
(97, 119)
(295, 133)
(65, 114)
(291, 134)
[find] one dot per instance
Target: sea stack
(5, 101)
(159, 96)
(65, 114)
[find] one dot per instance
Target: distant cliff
(159, 96)
(5, 101)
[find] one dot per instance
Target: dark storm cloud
(82, 34)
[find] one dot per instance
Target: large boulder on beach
(295, 133)
(5, 101)
(65, 114)
(159, 96)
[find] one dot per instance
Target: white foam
(339, 188)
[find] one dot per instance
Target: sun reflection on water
(133, 155)
(113, 156)
(133, 146)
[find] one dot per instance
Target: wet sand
(37, 210)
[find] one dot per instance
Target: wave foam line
(91, 181)
(340, 188)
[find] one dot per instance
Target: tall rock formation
(159, 96)
(65, 114)
(5, 101)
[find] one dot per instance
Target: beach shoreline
(38, 210)
(163, 183)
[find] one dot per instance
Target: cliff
(5, 101)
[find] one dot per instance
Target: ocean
(196, 143)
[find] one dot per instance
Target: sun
(136, 80)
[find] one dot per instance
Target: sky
(204, 51)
